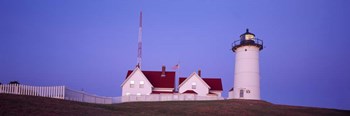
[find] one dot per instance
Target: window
(138, 94)
(241, 93)
(194, 85)
(132, 83)
(249, 37)
(248, 91)
(142, 84)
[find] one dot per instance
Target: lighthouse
(246, 83)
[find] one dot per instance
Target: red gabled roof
(181, 79)
(190, 91)
(157, 81)
(214, 83)
(159, 92)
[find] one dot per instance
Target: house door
(241, 93)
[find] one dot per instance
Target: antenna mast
(139, 53)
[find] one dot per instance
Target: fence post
(23, 89)
(64, 92)
(28, 90)
(49, 91)
(19, 89)
(83, 97)
(54, 92)
(35, 92)
(59, 92)
(39, 90)
(42, 91)
(45, 91)
(11, 89)
(0, 88)
(5, 88)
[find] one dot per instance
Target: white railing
(62, 92)
(82, 96)
(116, 100)
(59, 92)
(43, 91)
(168, 97)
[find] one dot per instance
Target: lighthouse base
(244, 93)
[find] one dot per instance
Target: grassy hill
(11, 105)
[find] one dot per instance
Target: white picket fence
(43, 91)
(59, 92)
(82, 96)
(62, 92)
(168, 97)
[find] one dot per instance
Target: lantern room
(247, 39)
(247, 36)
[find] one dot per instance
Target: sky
(91, 44)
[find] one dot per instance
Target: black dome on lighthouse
(247, 33)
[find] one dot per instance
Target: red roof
(159, 92)
(157, 81)
(190, 91)
(214, 83)
(181, 79)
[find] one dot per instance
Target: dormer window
(132, 84)
(194, 85)
(142, 84)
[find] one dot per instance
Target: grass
(12, 105)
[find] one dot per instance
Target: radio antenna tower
(139, 50)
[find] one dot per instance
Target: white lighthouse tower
(246, 76)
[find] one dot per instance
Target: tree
(14, 82)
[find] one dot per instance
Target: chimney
(199, 72)
(163, 71)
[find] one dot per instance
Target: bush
(14, 82)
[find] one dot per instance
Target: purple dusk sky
(90, 44)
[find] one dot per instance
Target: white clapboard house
(200, 86)
(160, 86)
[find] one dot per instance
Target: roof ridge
(211, 78)
(156, 71)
